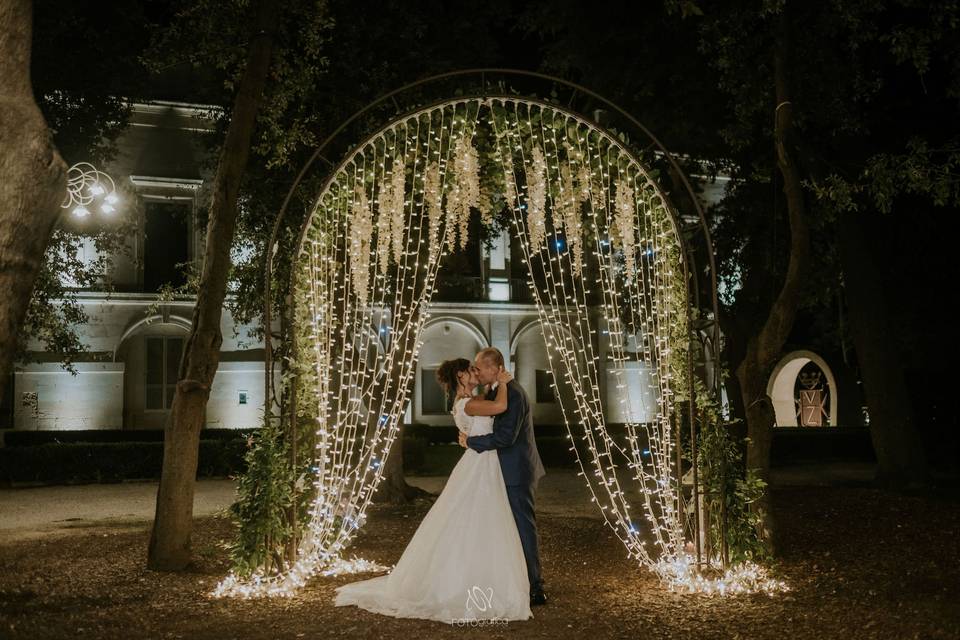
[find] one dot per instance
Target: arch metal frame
(687, 253)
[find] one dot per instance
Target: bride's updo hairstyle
(447, 374)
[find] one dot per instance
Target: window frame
(423, 388)
(164, 339)
(550, 389)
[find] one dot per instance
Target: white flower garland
(384, 217)
(398, 207)
(390, 218)
(361, 231)
(465, 192)
(537, 200)
(569, 217)
(433, 197)
(623, 227)
(510, 189)
(487, 209)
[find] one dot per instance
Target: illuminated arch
(553, 169)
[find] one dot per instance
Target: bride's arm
(481, 407)
(506, 427)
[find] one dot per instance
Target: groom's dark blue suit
(520, 463)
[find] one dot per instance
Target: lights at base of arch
(354, 565)
(258, 587)
(680, 575)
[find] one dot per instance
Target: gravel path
(35, 512)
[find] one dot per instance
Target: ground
(862, 563)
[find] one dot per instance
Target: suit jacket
(513, 439)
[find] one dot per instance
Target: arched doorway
(150, 349)
(803, 390)
(533, 358)
(444, 337)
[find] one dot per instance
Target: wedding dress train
(465, 561)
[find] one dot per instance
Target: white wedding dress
(465, 561)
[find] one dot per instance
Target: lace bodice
(471, 425)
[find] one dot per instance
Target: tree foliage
(729, 488)
(876, 84)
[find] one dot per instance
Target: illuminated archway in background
(782, 384)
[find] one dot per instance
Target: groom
(512, 437)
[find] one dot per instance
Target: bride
(465, 561)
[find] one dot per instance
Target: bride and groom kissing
(475, 555)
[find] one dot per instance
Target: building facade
(135, 337)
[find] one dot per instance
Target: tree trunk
(34, 178)
(170, 538)
(764, 348)
(900, 456)
(394, 487)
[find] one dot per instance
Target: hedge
(93, 462)
(54, 458)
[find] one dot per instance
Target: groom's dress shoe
(538, 597)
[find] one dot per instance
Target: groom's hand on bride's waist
(463, 440)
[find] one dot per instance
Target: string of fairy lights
(555, 311)
(366, 273)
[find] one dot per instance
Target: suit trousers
(521, 503)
